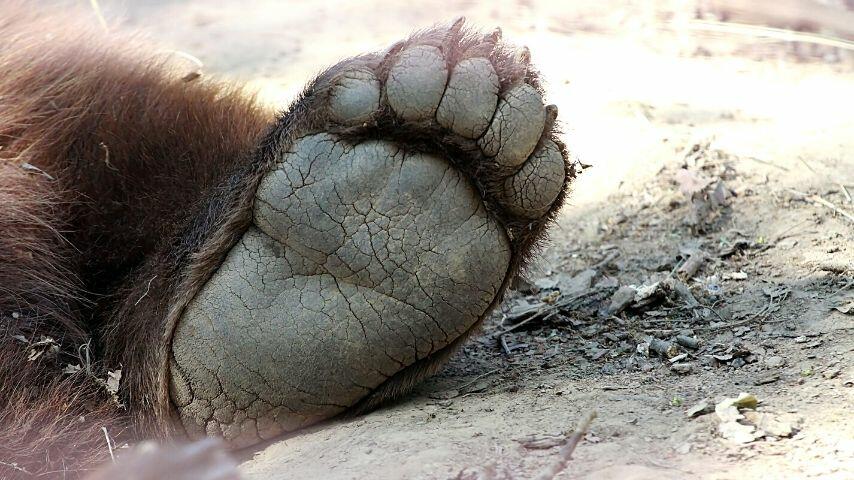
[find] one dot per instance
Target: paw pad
(517, 126)
(481, 93)
(416, 82)
(356, 97)
(406, 191)
(470, 98)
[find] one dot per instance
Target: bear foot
(409, 189)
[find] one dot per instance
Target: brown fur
(51, 423)
(107, 159)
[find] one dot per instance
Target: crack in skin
(365, 256)
(395, 285)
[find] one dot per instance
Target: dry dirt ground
(700, 256)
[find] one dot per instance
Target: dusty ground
(720, 149)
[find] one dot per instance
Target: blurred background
(610, 65)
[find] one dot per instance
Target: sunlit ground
(633, 87)
(602, 81)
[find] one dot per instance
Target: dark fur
(107, 160)
(122, 187)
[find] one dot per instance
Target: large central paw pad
(412, 184)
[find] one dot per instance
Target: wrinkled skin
(377, 241)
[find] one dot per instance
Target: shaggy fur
(108, 160)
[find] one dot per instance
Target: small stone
(682, 368)
(444, 395)
(766, 379)
(775, 361)
(578, 283)
(737, 433)
(621, 299)
(735, 276)
(781, 426)
(847, 308)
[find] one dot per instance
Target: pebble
(775, 361)
(682, 368)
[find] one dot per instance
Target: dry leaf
(113, 379)
(700, 408)
(691, 182)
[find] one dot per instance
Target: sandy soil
(723, 148)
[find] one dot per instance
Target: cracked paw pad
(366, 254)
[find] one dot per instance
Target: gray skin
(368, 255)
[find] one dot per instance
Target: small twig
(109, 444)
(820, 201)
(147, 288)
(766, 310)
(767, 32)
(519, 324)
(534, 315)
(726, 325)
(479, 377)
(101, 19)
(565, 453)
(33, 168)
(806, 164)
(766, 162)
(107, 157)
(691, 266)
(843, 289)
(504, 346)
(712, 309)
(193, 74)
(607, 260)
(785, 233)
(846, 193)
(14, 466)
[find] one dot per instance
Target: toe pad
(416, 82)
(355, 97)
(470, 99)
(517, 126)
(531, 191)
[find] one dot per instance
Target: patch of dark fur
(51, 426)
(113, 174)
